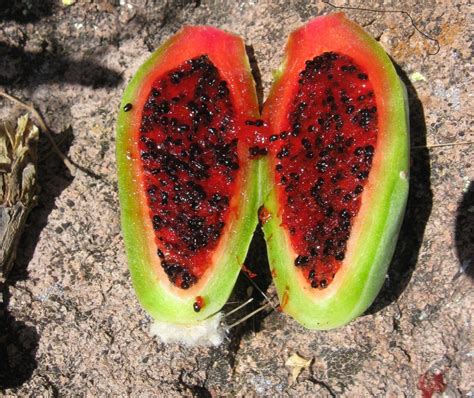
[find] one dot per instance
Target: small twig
(44, 128)
(432, 39)
(249, 316)
(324, 385)
(239, 307)
(442, 145)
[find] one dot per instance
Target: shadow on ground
(464, 235)
(19, 342)
(18, 345)
(26, 11)
(420, 202)
(20, 68)
(25, 70)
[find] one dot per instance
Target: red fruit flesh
(188, 149)
(323, 159)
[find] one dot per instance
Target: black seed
(222, 90)
(348, 68)
(279, 167)
(127, 107)
(283, 153)
(283, 134)
(152, 190)
(311, 128)
(312, 274)
(310, 154)
(364, 117)
(329, 211)
(160, 254)
(145, 155)
(306, 143)
(175, 77)
(301, 260)
(345, 214)
(254, 150)
(273, 138)
(157, 222)
(358, 189)
(164, 107)
(259, 123)
(362, 76)
(322, 166)
(350, 109)
(340, 256)
(369, 150)
(316, 187)
(347, 197)
(362, 175)
(324, 153)
(295, 176)
(323, 284)
(314, 284)
(196, 307)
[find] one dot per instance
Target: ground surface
(71, 323)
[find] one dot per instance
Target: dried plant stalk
(18, 184)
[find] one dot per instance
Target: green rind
(379, 227)
(155, 296)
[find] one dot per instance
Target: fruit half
(338, 171)
(188, 187)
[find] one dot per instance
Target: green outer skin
(173, 305)
(380, 225)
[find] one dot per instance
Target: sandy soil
(71, 324)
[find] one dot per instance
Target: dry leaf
(297, 364)
(18, 184)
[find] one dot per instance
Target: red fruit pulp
(188, 148)
(323, 160)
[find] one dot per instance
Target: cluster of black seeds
(188, 147)
(324, 159)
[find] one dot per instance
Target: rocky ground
(71, 324)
